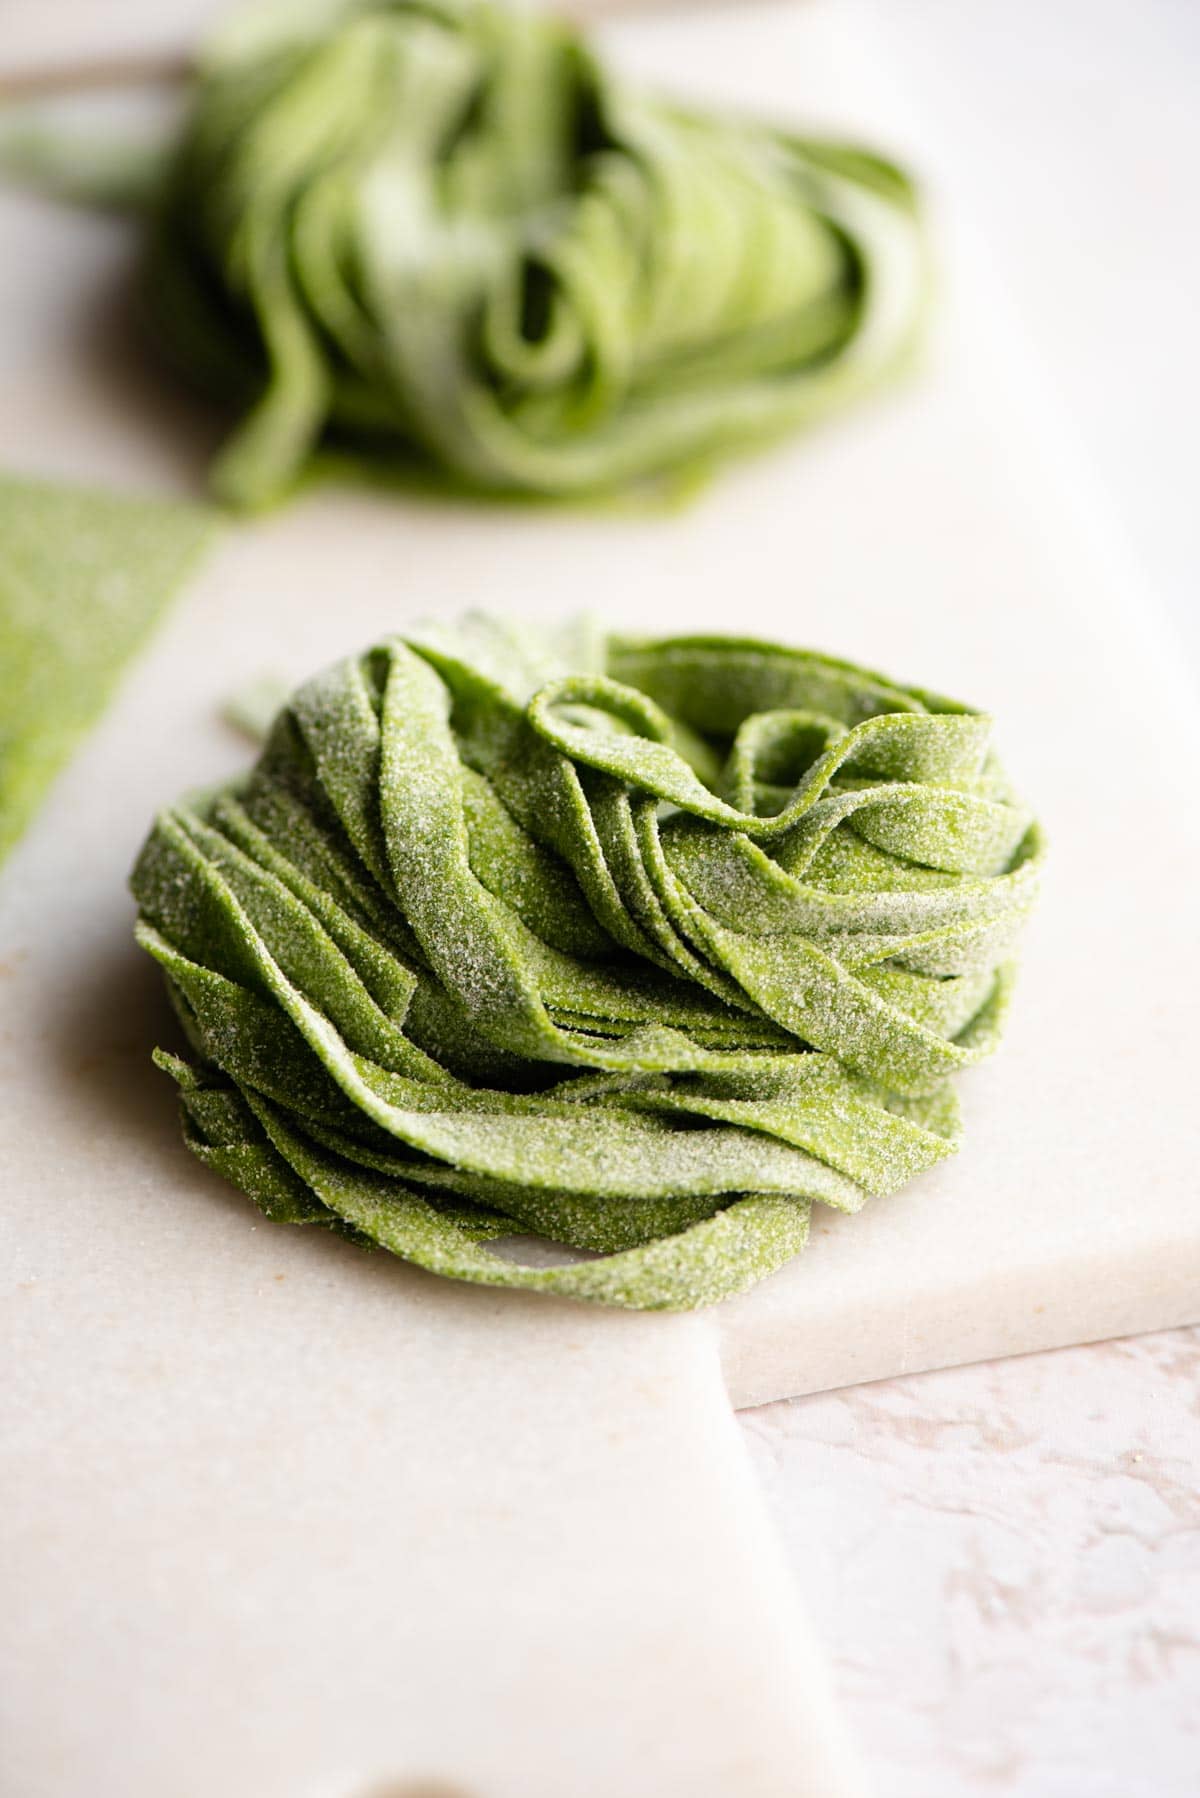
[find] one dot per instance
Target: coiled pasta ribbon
(442, 232)
(638, 946)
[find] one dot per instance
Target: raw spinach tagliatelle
(643, 947)
(84, 578)
(445, 233)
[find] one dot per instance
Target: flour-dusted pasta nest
(643, 947)
(444, 232)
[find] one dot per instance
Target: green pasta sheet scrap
(84, 577)
(444, 234)
(640, 947)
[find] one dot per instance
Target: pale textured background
(1076, 131)
(1005, 1560)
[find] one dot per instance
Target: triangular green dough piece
(84, 577)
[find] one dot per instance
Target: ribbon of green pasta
(84, 578)
(642, 947)
(442, 230)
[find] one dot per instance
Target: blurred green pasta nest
(641, 947)
(443, 233)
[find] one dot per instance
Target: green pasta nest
(443, 232)
(638, 946)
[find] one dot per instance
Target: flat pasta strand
(84, 578)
